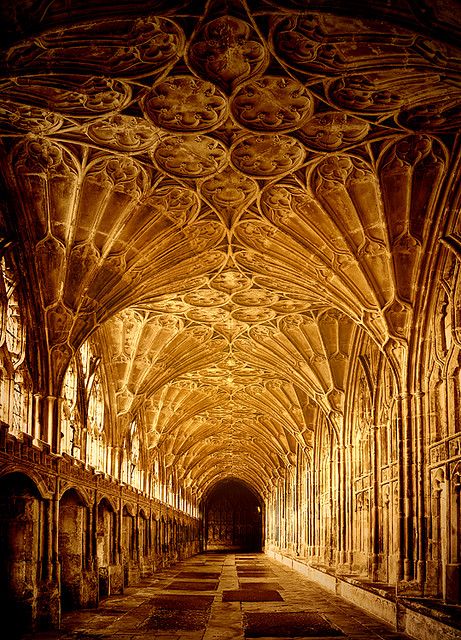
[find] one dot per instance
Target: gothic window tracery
(21, 402)
(445, 356)
(362, 430)
(70, 428)
(131, 471)
(15, 330)
(85, 358)
(96, 436)
(83, 410)
(15, 382)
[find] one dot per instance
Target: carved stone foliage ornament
(267, 156)
(190, 156)
(272, 103)
(123, 133)
(229, 193)
(227, 51)
(133, 47)
(333, 130)
(186, 104)
(73, 95)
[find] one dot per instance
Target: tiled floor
(224, 597)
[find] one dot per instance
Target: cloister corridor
(227, 596)
(230, 319)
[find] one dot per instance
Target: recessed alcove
(233, 518)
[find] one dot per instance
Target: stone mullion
(451, 392)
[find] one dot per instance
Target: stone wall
(72, 536)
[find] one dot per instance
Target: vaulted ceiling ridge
(172, 421)
(256, 471)
(193, 450)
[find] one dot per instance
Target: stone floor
(223, 597)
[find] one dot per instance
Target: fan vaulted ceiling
(226, 196)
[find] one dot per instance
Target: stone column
(374, 547)
(405, 569)
(342, 506)
(55, 539)
(51, 422)
(297, 505)
(36, 433)
(136, 536)
(49, 539)
(420, 488)
(349, 502)
(48, 604)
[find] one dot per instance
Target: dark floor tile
(260, 585)
(187, 585)
(179, 601)
(202, 575)
(289, 625)
(177, 619)
(251, 595)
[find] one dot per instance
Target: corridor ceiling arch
(225, 199)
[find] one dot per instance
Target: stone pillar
(36, 427)
(420, 489)
(295, 501)
(332, 551)
(51, 422)
(55, 529)
(52, 606)
(49, 571)
(374, 547)
(342, 506)
(348, 475)
(136, 536)
(406, 506)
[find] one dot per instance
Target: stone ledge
(423, 624)
(411, 616)
(449, 615)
